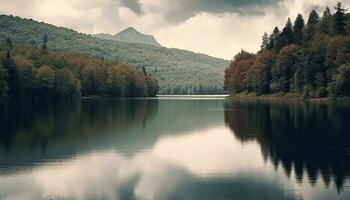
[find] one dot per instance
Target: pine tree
(265, 41)
(287, 35)
(310, 29)
(327, 13)
(273, 39)
(313, 18)
(298, 29)
(326, 22)
(339, 20)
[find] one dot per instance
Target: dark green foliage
(3, 84)
(326, 23)
(309, 31)
(274, 39)
(12, 78)
(339, 20)
(315, 64)
(298, 29)
(342, 81)
(28, 79)
(313, 18)
(287, 35)
(321, 92)
(178, 71)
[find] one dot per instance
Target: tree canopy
(309, 60)
(27, 73)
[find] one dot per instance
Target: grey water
(174, 148)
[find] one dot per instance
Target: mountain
(178, 71)
(130, 35)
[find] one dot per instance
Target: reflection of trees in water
(305, 138)
(40, 123)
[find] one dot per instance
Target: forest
(177, 71)
(37, 73)
(303, 60)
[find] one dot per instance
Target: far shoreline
(287, 97)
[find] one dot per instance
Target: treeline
(302, 60)
(193, 89)
(36, 73)
(173, 68)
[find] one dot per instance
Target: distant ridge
(178, 71)
(130, 35)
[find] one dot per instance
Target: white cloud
(210, 32)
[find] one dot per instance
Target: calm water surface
(175, 148)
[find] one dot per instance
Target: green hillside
(178, 71)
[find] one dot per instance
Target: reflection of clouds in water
(158, 169)
(211, 151)
(152, 174)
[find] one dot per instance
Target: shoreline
(287, 97)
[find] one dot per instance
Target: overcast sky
(215, 27)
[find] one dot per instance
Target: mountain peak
(130, 29)
(130, 35)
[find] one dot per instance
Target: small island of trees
(309, 60)
(37, 73)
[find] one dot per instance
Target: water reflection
(173, 149)
(176, 167)
(303, 138)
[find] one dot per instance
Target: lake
(175, 148)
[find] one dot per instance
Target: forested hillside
(302, 60)
(178, 71)
(29, 73)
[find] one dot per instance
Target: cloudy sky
(215, 27)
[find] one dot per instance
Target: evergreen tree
(265, 41)
(12, 78)
(311, 23)
(298, 79)
(339, 20)
(313, 18)
(266, 76)
(287, 35)
(326, 23)
(327, 13)
(274, 39)
(3, 84)
(319, 67)
(298, 29)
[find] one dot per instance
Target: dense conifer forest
(37, 73)
(305, 59)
